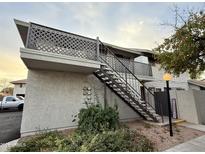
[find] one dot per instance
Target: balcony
(52, 49)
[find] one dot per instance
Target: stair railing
(109, 58)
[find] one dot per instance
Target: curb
(5, 147)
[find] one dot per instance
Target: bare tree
(5, 86)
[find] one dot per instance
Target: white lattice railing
(51, 40)
(55, 41)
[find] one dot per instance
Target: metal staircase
(118, 77)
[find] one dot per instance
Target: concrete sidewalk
(194, 145)
(193, 126)
(5, 147)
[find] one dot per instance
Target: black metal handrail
(145, 70)
(126, 70)
(118, 73)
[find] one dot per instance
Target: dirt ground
(159, 135)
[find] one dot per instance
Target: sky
(133, 25)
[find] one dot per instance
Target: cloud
(138, 32)
(125, 24)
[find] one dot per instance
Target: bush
(41, 142)
(107, 141)
(98, 130)
(96, 119)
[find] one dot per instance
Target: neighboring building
(66, 70)
(19, 87)
(196, 84)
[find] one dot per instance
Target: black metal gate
(161, 104)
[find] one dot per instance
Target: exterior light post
(167, 77)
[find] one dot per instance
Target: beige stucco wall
(199, 96)
(176, 82)
(190, 105)
(125, 112)
(195, 87)
(186, 105)
(54, 98)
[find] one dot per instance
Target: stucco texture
(176, 82)
(54, 98)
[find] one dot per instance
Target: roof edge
(20, 22)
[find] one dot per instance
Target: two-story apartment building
(67, 70)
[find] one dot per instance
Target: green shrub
(98, 130)
(107, 141)
(112, 141)
(98, 119)
(41, 142)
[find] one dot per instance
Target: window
(21, 85)
(8, 99)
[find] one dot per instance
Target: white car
(11, 102)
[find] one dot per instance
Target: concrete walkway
(193, 126)
(5, 147)
(195, 145)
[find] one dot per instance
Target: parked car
(9, 102)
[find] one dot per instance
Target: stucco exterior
(199, 97)
(176, 82)
(54, 98)
(190, 105)
(186, 106)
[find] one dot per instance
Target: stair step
(141, 101)
(117, 89)
(132, 102)
(149, 119)
(121, 93)
(101, 74)
(97, 71)
(140, 110)
(122, 85)
(106, 78)
(147, 116)
(125, 96)
(109, 82)
(118, 81)
(152, 111)
(110, 72)
(155, 114)
(115, 77)
(113, 85)
(131, 96)
(107, 69)
(142, 104)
